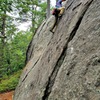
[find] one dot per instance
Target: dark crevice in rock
(28, 56)
(53, 75)
(30, 70)
(78, 22)
(77, 6)
(70, 5)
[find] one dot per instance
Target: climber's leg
(61, 11)
(55, 23)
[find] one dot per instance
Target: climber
(59, 7)
(57, 12)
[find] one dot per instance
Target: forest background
(14, 38)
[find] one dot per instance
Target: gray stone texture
(65, 65)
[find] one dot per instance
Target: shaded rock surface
(65, 65)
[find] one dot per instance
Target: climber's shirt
(59, 4)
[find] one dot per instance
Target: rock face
(65, 65)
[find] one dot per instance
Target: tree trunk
(2, 44)
(33, 19)
(48, 8)
(56, 1)
(32, 16)
(3, 26)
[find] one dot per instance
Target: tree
(48, 8)
(14, 45)
(56, 1)
(32, 10)
(5, 6)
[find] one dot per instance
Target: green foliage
(18, 49)
(9, 83)
(13, 47)
(15, 52)
(5, 5)
(34, 10)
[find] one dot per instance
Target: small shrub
(9, 83)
